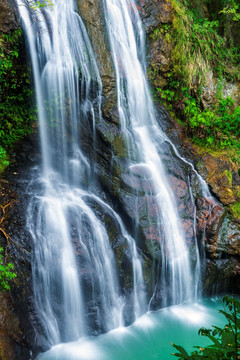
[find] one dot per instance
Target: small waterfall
(143, 138)
(73, 264)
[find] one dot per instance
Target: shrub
(17, 113)
(6, 273)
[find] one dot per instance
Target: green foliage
(225, 341)
(220, 122)
(232, 9)
(16, 110)
(201, 46)
(218, 128)
(3, 159)
(40, 4)
(6, 273)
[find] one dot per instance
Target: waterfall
(71, 247)
(143, 138)
(76, 277)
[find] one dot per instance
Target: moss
(119, 145)
(235, 210)
(229, 175)
(237, 192)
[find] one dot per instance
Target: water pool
(148, 338)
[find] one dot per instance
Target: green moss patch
(235, 210)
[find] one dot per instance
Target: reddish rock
(180, 187)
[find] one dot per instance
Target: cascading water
(71, 247)
(75, 276)
(143, 138)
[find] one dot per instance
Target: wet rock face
(219, 236)
(8, 21)
(132, 191)
(10, 330)
(18, 314)
(91, 13)
(218, 230)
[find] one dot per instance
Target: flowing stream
(143, 134)
(75, 275)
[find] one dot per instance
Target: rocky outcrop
(210, 91)
(154, 15)
(155, 12)
(222, 176)
(8, 21)
(222, 235)
(218, 226)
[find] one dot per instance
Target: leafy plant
(40, 4)
(201, 48)
(225, 341)
(17, 113)
(6, 273)
(232, 9)
(3, 159)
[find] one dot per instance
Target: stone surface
(218, 232)
(160, 57)
(211, 88)
(222, 176)
(8, 21)
(154, 12)
(92, 15)
(13, 185)
(10, 331)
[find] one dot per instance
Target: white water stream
(73, 261)
(143, 137)
(68, 238)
